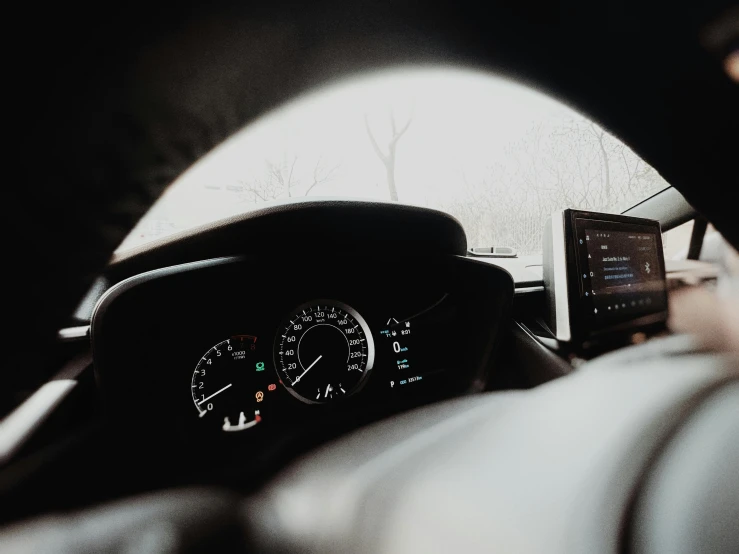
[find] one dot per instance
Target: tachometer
(324, 350)
(231, 385)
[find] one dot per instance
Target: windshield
(497, 155)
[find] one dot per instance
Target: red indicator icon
(272, 387)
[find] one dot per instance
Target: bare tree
(599, 135)
(321, 174)
(282, 175)
(573, 165)
(282, 180)
(388, 158)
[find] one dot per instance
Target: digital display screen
(410, 346)
(622, 261)
(620, 272)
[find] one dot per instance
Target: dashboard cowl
(302, 226)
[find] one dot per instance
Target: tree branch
(380, 154)
(319, 180)
(398, 134)
(290, 176)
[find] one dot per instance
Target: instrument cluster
(322, 352)
(262, 350)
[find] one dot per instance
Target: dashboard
(239, 351)
(228, 368)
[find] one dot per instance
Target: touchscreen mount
(602, 274)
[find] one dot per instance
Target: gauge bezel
(362, 324)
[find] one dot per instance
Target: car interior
(372, 371)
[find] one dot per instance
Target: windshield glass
(497, 155)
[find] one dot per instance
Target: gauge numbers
(230, 384)
(323, 351)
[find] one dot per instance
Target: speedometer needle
(215, 393)
(306, 370)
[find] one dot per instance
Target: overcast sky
(462, 122)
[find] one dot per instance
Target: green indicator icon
(260, 366)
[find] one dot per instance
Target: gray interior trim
(83, 312)
(668, 206)
(20, 424)
(527, 290)
(71, 334)
(559, 262)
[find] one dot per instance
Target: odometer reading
(324, 350)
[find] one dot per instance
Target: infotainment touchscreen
(620, 261)
(603, 273)
(622, 274)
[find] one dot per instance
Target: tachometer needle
(215, 393)
(306, 370)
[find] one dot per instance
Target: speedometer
(323, 350)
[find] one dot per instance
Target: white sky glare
(463, 122)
